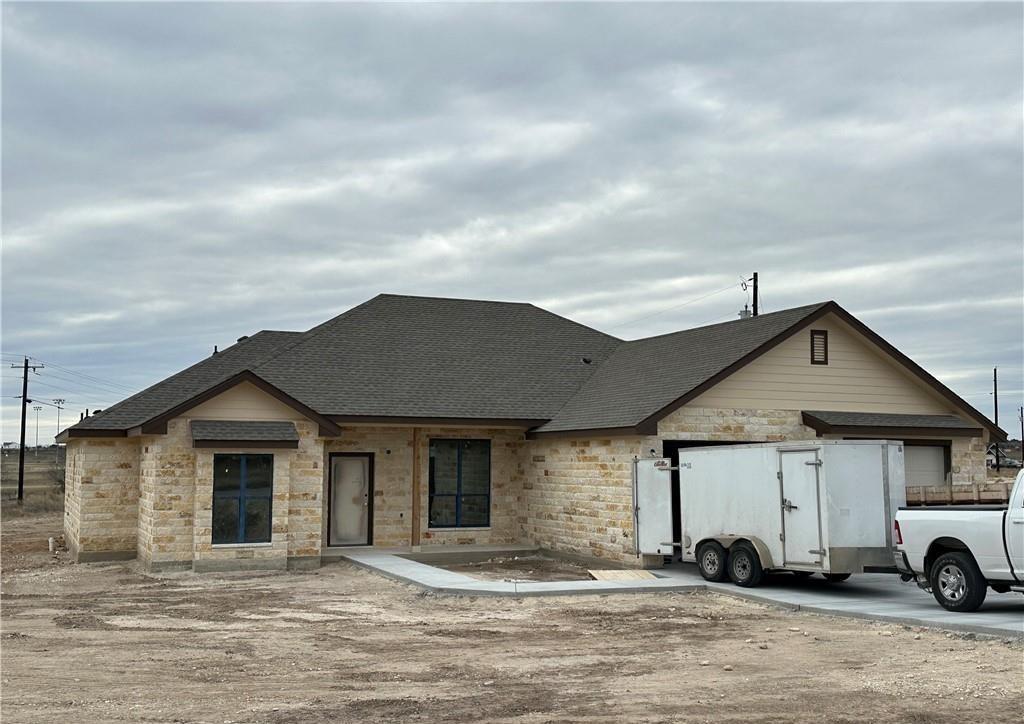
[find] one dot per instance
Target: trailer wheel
(711, 561)
(835, 577)
(745, 565)
(957, 584)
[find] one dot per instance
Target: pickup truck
(958, 552)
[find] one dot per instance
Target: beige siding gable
(859, 377)
(244, 401)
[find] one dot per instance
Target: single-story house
(1008, 455)
(413, 421)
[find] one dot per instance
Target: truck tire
(835, 577)
(712, 561)
(745, 565)
(957, 584)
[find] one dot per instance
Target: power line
(77, 393)
(85, 383)
(673, 308)
(86, 376)
(93, 379)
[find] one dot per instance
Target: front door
(350, 521)
(801, 524)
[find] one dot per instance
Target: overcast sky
(175, 176)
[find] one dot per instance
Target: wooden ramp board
(622, 575)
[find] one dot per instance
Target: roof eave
(80, 432)
(887, 431)
(419, 421)
(629, 431)
(157, 425)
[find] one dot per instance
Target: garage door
(925, 464)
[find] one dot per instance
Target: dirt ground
(523, 568)
(103, 642)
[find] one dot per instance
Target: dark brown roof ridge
(808, 307)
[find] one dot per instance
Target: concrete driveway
(874, 596)
(877, 597)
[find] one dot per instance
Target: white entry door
(351, 500)
(801, 523)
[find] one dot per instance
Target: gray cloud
(178, 175)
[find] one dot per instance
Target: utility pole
(24, 410)
(995, 402)
(58, 402)
(37, 408)
(1020, 417)
(755, 293)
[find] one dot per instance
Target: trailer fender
(763, 551)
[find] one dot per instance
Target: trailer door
(801, 508)
(652, 506)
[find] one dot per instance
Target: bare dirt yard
(523, 568)
(103, 642)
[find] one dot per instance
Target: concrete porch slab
(440, 580)
(877, 597)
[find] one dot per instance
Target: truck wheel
(835, 577)
(745, 565)
(957, 584)
(711, 561)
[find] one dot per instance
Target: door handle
(788, 506)
(1019, 522)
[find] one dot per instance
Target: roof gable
(644, 380)
(157, 399)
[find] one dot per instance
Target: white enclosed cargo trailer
(823, 506)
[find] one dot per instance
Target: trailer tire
(745, 565)
(835, 577)
(712, 561)
(957, 584)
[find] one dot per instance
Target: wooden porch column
(415, 487)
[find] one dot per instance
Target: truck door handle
(1019, 522)
(788, 506)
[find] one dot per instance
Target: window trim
(823, 335)
(242, 497)
(458, 494)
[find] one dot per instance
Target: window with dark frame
(459, 484)
(242, 494)
(819, 347)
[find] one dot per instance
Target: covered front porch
(405, 488)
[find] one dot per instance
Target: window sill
(219, 546)
(459, 530)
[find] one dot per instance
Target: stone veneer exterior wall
(166, 498)
(176, 508)
(579, 491)
(153, 495)
(579, 496)
(101, 495)
(392, 449)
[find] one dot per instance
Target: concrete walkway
(876, 597)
